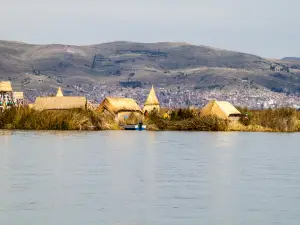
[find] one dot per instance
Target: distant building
(6, 94)
(151, 102)
(120, 108)
(221, 109)
(6, 90)
(278, 68)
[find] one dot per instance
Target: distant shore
(271, 120)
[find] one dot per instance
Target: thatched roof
(221, 109)
(5, 86)
(18, 95)
(152, 99)
(118, 104)
(59, 93)
(57, 103)
(92, 106)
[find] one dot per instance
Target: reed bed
(186, 120)
(29, 119)
(277, 120)
(271, 120)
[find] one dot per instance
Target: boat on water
(139, 126)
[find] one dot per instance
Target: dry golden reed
(271, 120)
(77, 119)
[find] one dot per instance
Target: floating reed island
(76, 113)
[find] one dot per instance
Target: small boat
(139, 126)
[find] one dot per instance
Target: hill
(290, 58)
(133, 64)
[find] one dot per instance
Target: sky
(269, 28)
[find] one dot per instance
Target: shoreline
(156, 131)
(283, 120)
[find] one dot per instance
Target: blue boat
(139, 126)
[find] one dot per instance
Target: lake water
(186, 178)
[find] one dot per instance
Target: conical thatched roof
(59, 93)
(5, 86)
(117, 104)
(221, 109)
(57, 103)
(152, 99)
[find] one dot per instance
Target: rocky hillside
(139, 64)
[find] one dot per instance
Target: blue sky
(268, 28)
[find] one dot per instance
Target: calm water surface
(72, 178)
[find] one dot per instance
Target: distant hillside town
(180, 97)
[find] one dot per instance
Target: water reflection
(224, 173)
(225, 139)
(173, 178)
(5, 132)
(5, 138)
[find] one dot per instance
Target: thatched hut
(120, 108)
(221, 109)
(6, 90)
(59, 103)
(151, 102)
(6, 94)
(5, 86)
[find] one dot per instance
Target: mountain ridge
(290, 58)
(124, 62)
